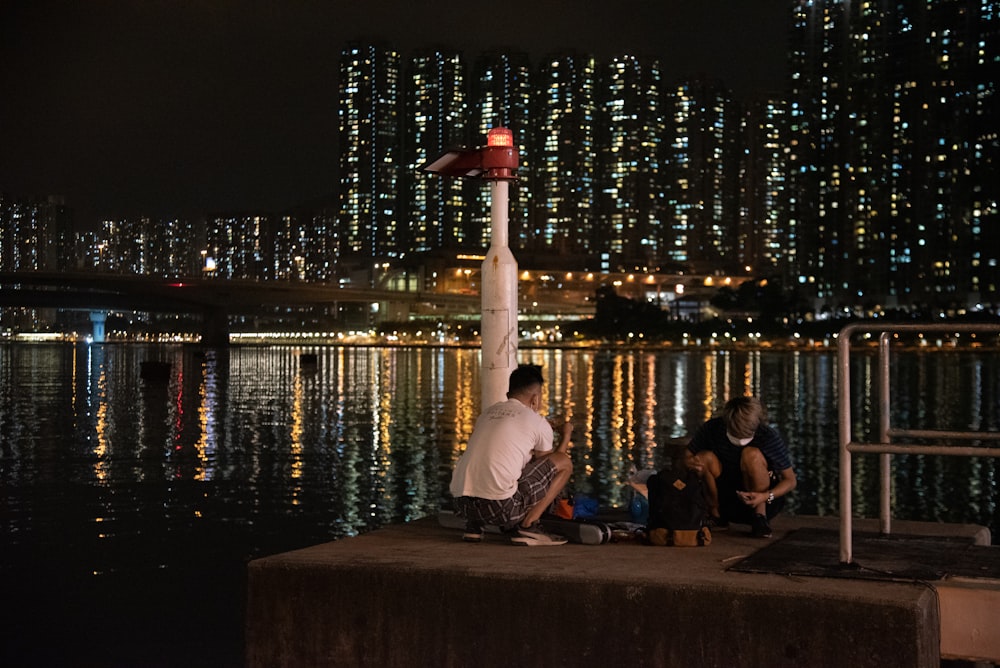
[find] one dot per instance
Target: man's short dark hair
(524, 376)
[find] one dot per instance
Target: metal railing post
(885, 486)
(844, 408)
(885, 447)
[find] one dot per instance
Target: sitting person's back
(510, 472)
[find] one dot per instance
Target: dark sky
(180, 107)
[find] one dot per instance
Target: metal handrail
(885, 447)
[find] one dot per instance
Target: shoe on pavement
(536, 535)
(760, 528)
(473, 532)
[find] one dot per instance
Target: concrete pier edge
(414, 594)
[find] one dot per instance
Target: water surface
(130, 507)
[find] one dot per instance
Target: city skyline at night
(872, 180)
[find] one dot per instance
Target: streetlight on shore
(496, 163)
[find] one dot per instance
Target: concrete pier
(416, 595)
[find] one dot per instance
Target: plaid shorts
(535, 480)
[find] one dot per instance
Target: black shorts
(732, 508)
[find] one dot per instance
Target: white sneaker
(536, 535)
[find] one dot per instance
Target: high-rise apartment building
(437, 209)
(291, 239)
(983, 91)
(127, 245)
(371, 221)
(35, 234)
(704, 176)
(322, 246)
(564, 217)
(631, 179)
(892, 165)
(766, 245)
(174, 246)
(239, 245)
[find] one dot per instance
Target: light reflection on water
(369, 435)
(374, 431)
(247, 452)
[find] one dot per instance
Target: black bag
(678, 509)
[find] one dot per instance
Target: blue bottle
(638, 508)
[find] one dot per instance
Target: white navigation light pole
(499, 330)
(496, 163)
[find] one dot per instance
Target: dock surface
(416, 595)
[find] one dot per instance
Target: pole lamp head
(497, 161)
(500, 155)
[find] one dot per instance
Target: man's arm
(786, 483)
(565, 431)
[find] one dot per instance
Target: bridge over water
(213, 300)
(216, 300)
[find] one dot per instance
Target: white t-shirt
(500, 447)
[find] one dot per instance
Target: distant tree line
(762, 308)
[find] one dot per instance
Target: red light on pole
(500, 155)
(500, 137)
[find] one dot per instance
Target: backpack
(678, 509)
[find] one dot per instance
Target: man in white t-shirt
(510, 472)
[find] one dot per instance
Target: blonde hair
(743, 415)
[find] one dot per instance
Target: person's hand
(695, 464)
(753, 498)
(562, 427)
(564, 430)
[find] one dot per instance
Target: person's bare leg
(564, 468)
(755, 475)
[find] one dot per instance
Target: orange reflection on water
(466, 399)
(101, 428)
(648, 412)
(295, 437)
(383, 379)
(589, 412)
(709, 396)
(207, 399)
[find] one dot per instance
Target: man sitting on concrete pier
(748, 466)
(510, 473)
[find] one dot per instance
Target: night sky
(160, 107)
